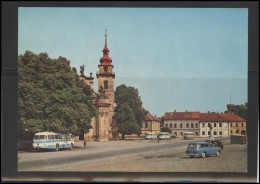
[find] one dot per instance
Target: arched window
(105, 84)
(214, 133)
(203, 133)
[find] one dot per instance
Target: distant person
(158, 138)
(85, 143)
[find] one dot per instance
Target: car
(217, 143)
(202, 149)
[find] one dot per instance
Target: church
(102, 124)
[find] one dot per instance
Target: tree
(129, 113)
(51, 96)
(166, 129)
(241, 110)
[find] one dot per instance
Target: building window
(175, 125)
(181, 134)
(214, 133)
(106, 84)
(146, 125)
(197, 133)
(215, 124)
(181, 125)
(220, 124)
(171, 125)
(196, 125)
(203, 133)
(237, 131)
(187, 125)
(192, 125)
(231, 131)
(166, 125)
(242, 124)
(236, 124)
(203, 125)
(208, 132)
(230, 124)
(220, 132)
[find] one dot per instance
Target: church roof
(105, 51)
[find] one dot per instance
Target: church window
(106, 84)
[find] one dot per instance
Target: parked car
(202, 149)
(217, 143)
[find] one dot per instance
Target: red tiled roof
(233, 117)
(181, 115)
(150, 117)
(203, 117)
(212, 117)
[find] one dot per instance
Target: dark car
(217, 143)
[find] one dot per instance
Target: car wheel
(217, 154)
(57, 147)
(203, 155)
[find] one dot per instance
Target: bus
(164, 135)
(150, 135)
(52, 140)
(188, 135)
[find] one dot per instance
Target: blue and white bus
(52, 140)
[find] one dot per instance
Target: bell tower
(105, 101)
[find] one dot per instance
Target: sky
(193, 59)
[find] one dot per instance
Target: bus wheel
(57, 147)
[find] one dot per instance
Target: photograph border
(9, 98)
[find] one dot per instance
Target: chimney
(208, 111)
(174, 110)
(186, 110)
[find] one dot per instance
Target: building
(205, 124)
(104, 102)
(213, 124)
(151, 124)
(180, 122)
(237, 124)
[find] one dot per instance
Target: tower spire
(105, 36)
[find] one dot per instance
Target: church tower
(105, 96)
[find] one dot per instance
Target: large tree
(51, 96)
(129, 113)
(240, 110)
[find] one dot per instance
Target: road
(134, 156)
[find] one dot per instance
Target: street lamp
(210, 131)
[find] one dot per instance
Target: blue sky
(178, 58)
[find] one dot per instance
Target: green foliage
(51, 96)
(241, 110)
(166, 129)
(129, 113)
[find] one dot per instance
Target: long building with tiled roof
(204, 124)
